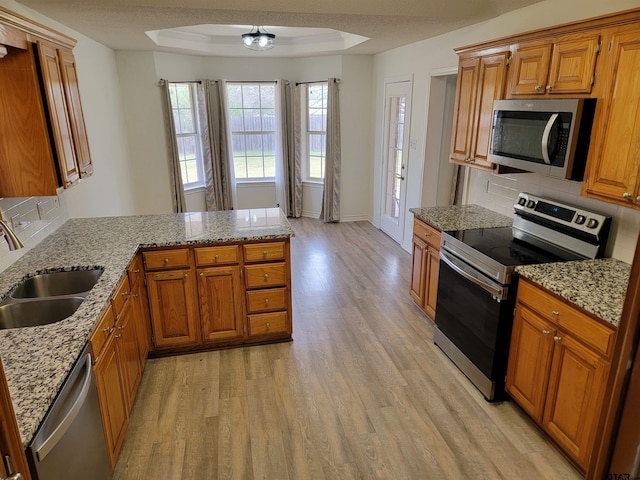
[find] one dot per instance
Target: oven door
(474, 317)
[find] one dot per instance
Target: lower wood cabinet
(425, 266)
(558, 365)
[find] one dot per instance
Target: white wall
(140, 71)
(421, 59)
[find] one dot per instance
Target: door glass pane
(394, 161)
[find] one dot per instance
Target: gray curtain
(291, 148)
(175, 177)
(215, 146)
(331, 195)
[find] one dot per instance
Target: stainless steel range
(477, 285)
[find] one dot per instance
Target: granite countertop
(461, 217)
(37, 359)
(598, 286)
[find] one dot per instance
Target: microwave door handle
(545, 138)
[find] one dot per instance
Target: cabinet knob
(537, 88)
(118, 335)
(201, 274)
(627, 196)
(266, 301)
(557, 339)
(166, 260)
(555, 313)
(137, 270)
(186, 275)
(265, 253)
(548, 88)
(545, 332)
(121, 327)
(267, 325)
(638, 199)
(216, 257)
(266, 276)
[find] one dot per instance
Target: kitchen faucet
(10, 236)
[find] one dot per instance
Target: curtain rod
(162, 81)
(250, 81)
(337, 80)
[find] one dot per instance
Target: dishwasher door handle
(50, 442)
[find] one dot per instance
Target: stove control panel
(557, 213)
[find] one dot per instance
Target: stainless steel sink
(75, 282)
(37, 312)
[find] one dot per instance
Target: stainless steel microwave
(549, 137)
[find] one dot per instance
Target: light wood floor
(362, 392)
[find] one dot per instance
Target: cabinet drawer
(135, 271)
(161, 259)
(589, 330)
(224, 254)
(267, 300)
(101, 333)
(121, 295)
(427, 233)
(259, 252)
(268, 323)
(269, 275)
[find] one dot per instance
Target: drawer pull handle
(555, 313)
(557, 339)
(545, 332)
(267, 325)
(266, 301)
(266, 276)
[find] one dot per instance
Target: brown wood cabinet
(139, 299)
(613, 166)
(560, 65)
(558, 362)
(242, 295)
(41, 115)
(482, 79)
(111, 384)
(425, 266)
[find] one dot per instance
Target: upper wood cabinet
(562, 65)
(613, 165)
(40, 112)
(481, 80)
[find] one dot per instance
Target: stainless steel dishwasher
(70, 442)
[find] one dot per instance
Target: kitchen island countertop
(461, 217)
(598, 286)
(37, 359)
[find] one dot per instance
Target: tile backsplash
(499, 192)
(32, 219)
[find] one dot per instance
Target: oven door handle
(496, 292)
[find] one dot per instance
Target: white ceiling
(302, 27)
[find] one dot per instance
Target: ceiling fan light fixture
(258, 41)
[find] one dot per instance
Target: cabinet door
(492, 77)
(573, 63)
(418, 270)
(574, 398)
(113, 406)
(464, 109)
(58, 113)
(431, 284)
(529, 361)
(530, 68)
(221, 303)
(76, 116)
(128, 352)
(614, 157)
(143, 322)
(173, 307)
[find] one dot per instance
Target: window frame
(309, 131)
(274, 132)
(196, 134)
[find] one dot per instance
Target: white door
(395, 157)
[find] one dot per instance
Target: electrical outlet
(40, 208)
(15, 221)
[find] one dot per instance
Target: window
(183, 104)
(316, 130)
(252, 121)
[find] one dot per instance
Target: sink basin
(58, 283)
(37, 312)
